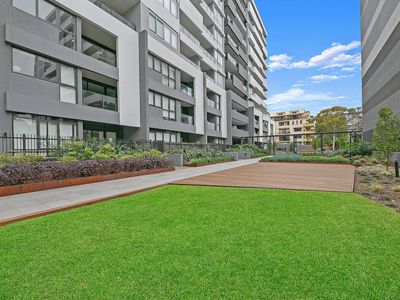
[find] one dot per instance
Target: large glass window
(28, 6)
(23, 62)
(167, 104)
(168, 72)
(54, 15)
(97, 94)
(163, 136)
(158, 26)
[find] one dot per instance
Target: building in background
(294, 127)
(380, 30)
(176, 71)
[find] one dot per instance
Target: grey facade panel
(381, 79)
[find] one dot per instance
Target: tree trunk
(334, 143)
(387, 162)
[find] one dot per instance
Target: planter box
(244, 155)
(233, 155)
(41, 186)
(176, 159)
(207, 164)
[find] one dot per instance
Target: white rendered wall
(127, 56)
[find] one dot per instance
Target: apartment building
(176, 71)
(293, 127)
(380, 31)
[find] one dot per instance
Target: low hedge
(15, 174)
(299, 158)
(208, 160)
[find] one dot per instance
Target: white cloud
(325, 78)
(297, 98)
(335, 56)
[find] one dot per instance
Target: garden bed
(379, 185)
(54, 184)
(29, 177)
(307, 159)
(208, 161)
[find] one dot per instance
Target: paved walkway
(43, 201)
(297, 176)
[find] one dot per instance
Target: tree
(386, 137)
(331, 120)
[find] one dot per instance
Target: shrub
(358, 149)
(19, 159)
(300, 158)
(396, 188)
(14, 174)
(376, 187)
(202, 161)
(196, 153)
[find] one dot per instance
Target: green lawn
(207, 243)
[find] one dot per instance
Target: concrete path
(25, 205)
(290, 176)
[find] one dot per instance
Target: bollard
(396, 168)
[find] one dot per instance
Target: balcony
(239, 118)
(187, 90)
(100, 53)
(213, 104)
(99, 101)
(239, 133)
(186, 119)
(113, 13)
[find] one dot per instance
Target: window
(67, 86)
(47, 12)
(163, 136)
(41, 126)
(28, 6)
(152, 23)
(157, 26)
(23, 62)
(171, 5)
(64, 21)
(99, 95)
(167, 104)
(47, 69)
(168, 73)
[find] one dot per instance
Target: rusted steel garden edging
(41, 186)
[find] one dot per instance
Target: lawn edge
(46, 212)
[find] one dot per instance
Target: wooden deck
(291, 176)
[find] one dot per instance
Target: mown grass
(182, 242)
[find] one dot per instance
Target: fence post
(24, 143)
(322, 143)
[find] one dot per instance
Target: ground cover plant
(306, 158)
(208, 243)
(378, 184)
(208, 160)
(23, 173)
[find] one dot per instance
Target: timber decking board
(291, 176)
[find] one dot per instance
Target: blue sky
(314, 53)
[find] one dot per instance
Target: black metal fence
(27, 144)
(305, 142)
